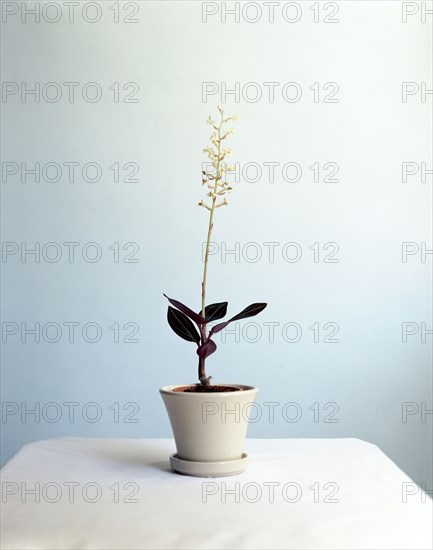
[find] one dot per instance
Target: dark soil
(198, 388)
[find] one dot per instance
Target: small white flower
(202, 203)
(222, 203)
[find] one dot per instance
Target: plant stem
(206, 258)
(201, 363)
(209, 231)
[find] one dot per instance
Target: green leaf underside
(182, 326)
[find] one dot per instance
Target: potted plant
(209, 421)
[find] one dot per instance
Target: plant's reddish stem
(204, 380)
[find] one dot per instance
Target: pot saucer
(209, 469)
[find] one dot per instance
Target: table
(76, 493)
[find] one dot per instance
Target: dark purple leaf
(182, 326)
(215, 311)
(206, 349)
(185, 309)
(249, 311)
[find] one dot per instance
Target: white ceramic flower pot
(210, 428)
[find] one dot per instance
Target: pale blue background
(369, 213)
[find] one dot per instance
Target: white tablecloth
(327, 493)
